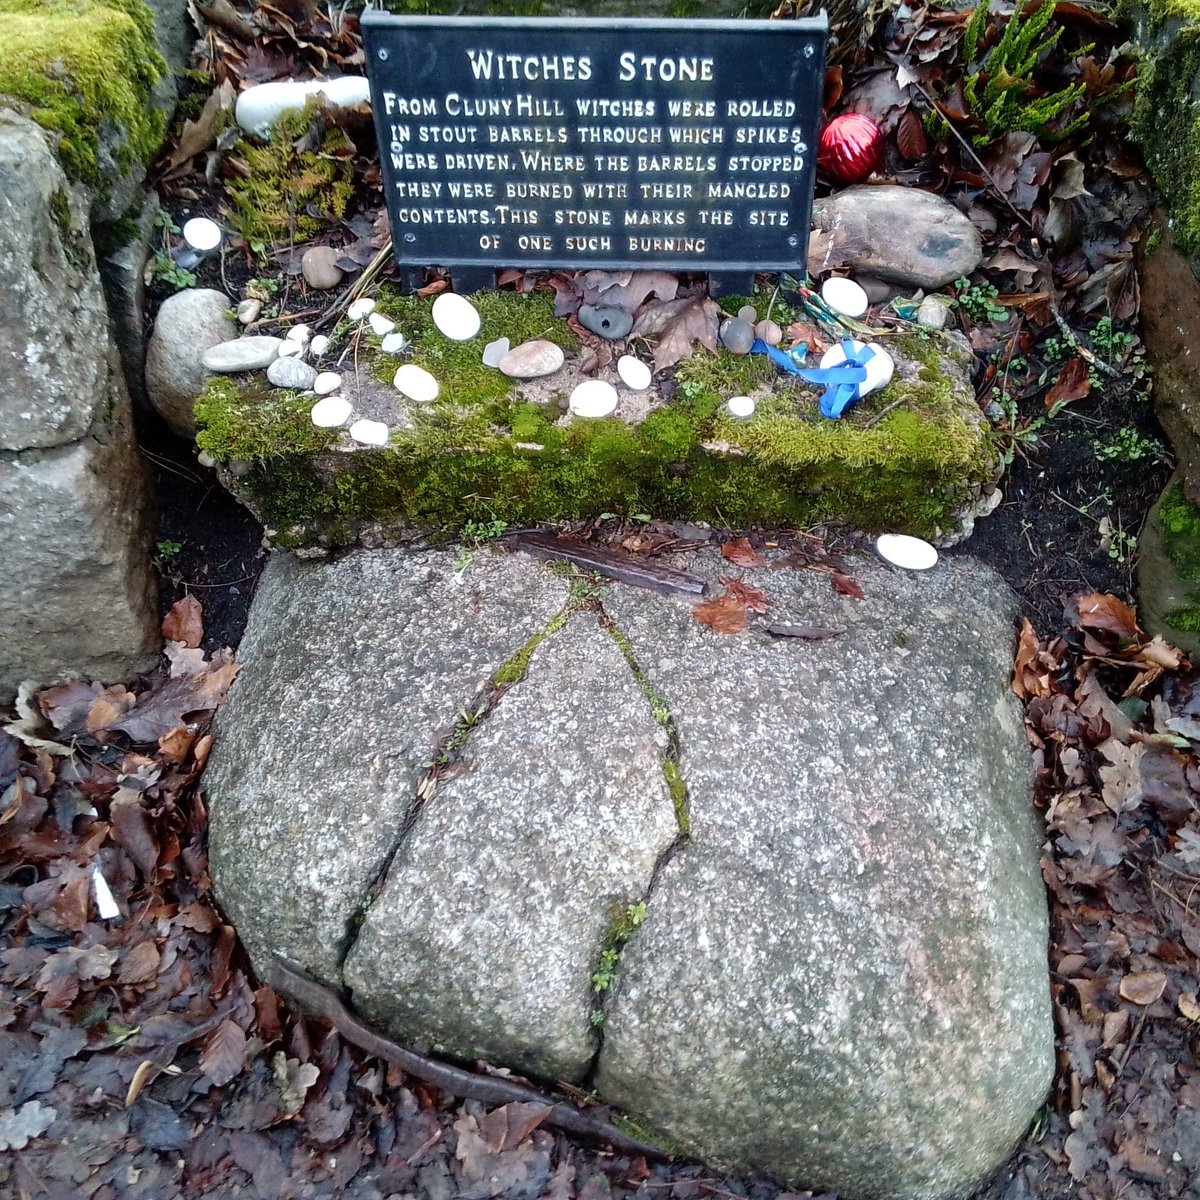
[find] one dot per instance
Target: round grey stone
(749, 314)
(187, 326)
(934, 312)
(532, 360)
(319, 267)
(737, 336)
(291, 373)
(611, 323)
(242, 354)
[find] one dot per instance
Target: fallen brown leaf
(722, 615)
(184, 623)
(1100, 610)
(847, 585)
(678, 324)
(1073, 383)
(742, 554)
(224, 1052)
(750, 598)
(1143, 987)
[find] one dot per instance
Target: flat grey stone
(54, 331)
(352, 671)
(611, 323)
(242, 354)
(900, 234)
(291, 373)
(843, 980)
(187, 326)
(485, 938)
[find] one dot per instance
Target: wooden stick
(323, 1002)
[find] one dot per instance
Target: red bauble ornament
(851, 148)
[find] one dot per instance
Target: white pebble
(634, 373)
(361, 309)
(318, 345)
(298, 333)
(844, 296)
(416, 383)
(740, 408)
(593, 398)
(456, 317)
(205, 459)
(248, 310)
(290, 347)
(106, 904)
(259, 107)
(394, 343)
(911, 553)
(380, 323)
(493, 352)
(330, 412)
(326, 382)
(880, 367)
(202, 234)
(369, 433)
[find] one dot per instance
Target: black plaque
(595, 143)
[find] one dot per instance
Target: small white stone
(456, 317)
(416, 383)
(380, 323)
(330, 412)
(634, 373)
(298, 333)
(326, 382)
(844, 296)
(242, 354)
(880, 367)
(593, 398)
(259, 107)
(740, 408)
(361, 309)
(493, 352)
(370, 433)
(201, 234)
(291, 349)
(290, 372)
(318, 345)
(106, 905)
(911, 553)
(394, 343)
(248, 310)
(205, 459)
(934, 312)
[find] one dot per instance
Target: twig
(884, 412)
(323, 1002)
(1082, 351)
(370, 274)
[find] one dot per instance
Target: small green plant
(978, 300)
(1129, 445)
(999, 80)
(475, 533)
(1118, 542)
(166, 270)
(1111, 344)
(624, 922)
(168, 550)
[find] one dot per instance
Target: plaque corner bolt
(382, 54)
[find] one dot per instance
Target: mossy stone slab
(912, 458)
(1168, 570)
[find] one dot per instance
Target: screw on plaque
(410, 237)
(793, 240)
(383, 55)
(808, 52)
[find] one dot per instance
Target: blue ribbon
(841, 382)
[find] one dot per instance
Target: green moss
(289, 194)
(253, 421)
(678, 790)
(517, 666)
(86, 69)
(1180, 522)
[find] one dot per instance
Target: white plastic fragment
(205, 459)
(416, 383)
(361, 309)
(326, 382)
(330, 412)
(634, 373)
(740, 408)
(318, 345)
(106, 904)
(394, 343)
(593, 398)
(259, 107)
(844, 296)
(201, 234)
(380, 323)
(456, 317)
(901, 550)
(369, 433)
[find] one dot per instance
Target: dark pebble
(737, 336)
(611, 323)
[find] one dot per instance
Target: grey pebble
(319, 267)
(769, 331)
(611, 323)
(737, 336)
(242, 354)
(749, 314)
(291, 373)
(532, 360)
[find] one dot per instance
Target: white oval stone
(880, 367)
(493, 352)
(593, 398)
(634, 373)
(298, 333)
(291, 373)
(370, 433)
(361, 309)
(330, 412)
(326, 382)
(242, 354)
(248, 310)
(380, 323)
(416, 383)
(291, 348)
(911, 553)
(532, 360)
(318, 345)
(394, 343)
(456, 317)
(202, 234)
(259, 107)
(740, 408)
(844, 296)
(205, 459)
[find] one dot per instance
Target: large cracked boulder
(779, 899)
(77, 593)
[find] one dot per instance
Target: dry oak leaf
(678, 324)
(141, 964)
(1028, 679)
(184, 623)
(722, 615)
(742, 554)
(1143, 987)
(1103, 611)
(750, 598)
(847, 585)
